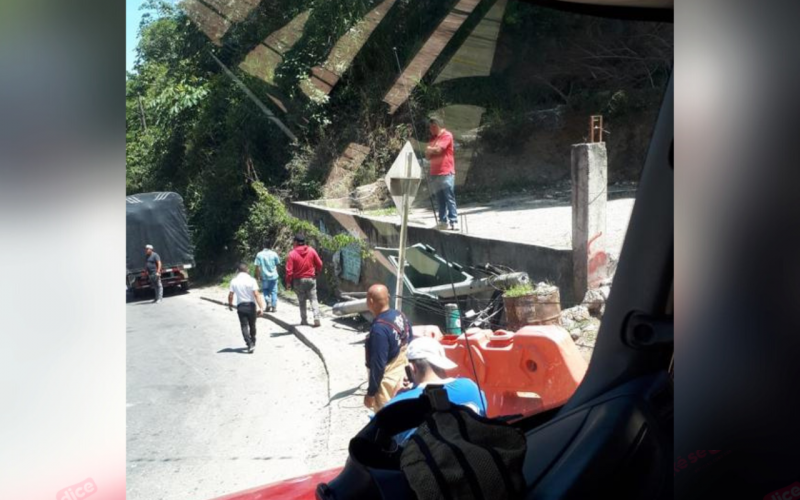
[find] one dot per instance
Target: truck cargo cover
(157, 219)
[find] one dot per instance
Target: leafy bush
(270, 223)
(519, 291)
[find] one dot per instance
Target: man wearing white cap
(153, 265)
(429, 365)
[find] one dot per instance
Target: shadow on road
(238, 350)
(148, 297)
(344, 394)
(354, 324)
(279, 334)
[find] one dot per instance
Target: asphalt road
(204, 418)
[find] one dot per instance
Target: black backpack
(454, 454)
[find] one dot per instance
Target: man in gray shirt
(153, 266)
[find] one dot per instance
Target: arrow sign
(404, 177)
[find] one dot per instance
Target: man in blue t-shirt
(428, 366)
(267, 272)
(385, 348)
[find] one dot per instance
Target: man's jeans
(158, 288)
(247, 319)
(306, 289)
(444, 188)
(270, 290)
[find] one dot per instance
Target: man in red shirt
(443, 173)
(302, 267)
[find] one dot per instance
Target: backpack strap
(403, 334)
(437, 396)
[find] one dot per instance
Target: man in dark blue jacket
(385, 348)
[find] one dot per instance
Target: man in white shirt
(249, 304)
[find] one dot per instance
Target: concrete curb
(295, 331)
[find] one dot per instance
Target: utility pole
(401, 261)
(403, 180)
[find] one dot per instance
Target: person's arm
(259, 301)
(378, 353)
(317, 261)
(434, 151)
(258, 269)
(158, 265)
(403, 385)
(289, 271)
(435, 147)
(230, 300)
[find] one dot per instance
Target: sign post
(403, 180)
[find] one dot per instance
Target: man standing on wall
(153, 266)
(302, 268)
(267, 273)
(440, 153)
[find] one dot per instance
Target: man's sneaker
(304, 323)
(454, 226)
(317, 324)
(250, 348)
(441, 225)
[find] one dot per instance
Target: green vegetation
(519, 291)
(269, 223)
(225, 281)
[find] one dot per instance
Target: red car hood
(298, 488)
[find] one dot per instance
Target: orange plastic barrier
(532, 370)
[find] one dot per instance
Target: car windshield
(508, 136)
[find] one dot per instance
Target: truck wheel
(137, 294)
(185, 287)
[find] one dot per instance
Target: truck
(157, 219)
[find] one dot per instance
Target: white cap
(148, 247)
(431, 351)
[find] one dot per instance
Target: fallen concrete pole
(502, 281)
(350, 307)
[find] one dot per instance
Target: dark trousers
(158, 288)
(247, 318)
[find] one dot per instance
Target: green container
(452, 319)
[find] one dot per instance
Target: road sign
(403, 181)
(404, 177)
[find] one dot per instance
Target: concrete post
(589, 198)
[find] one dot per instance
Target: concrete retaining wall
(541, 263)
